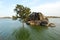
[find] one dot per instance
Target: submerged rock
(51, 25)
(43, 23)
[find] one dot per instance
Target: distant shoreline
(52, 16)
(45, 16)
(5, 17)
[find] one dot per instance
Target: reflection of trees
(22, 34)
(29, 33)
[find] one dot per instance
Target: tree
(22, 11)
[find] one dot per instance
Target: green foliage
(22, 11)
(14, 17)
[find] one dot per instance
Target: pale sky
(47, 7)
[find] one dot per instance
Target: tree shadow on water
(22, 34)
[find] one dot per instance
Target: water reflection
(38, 28)
(28, 33)
(22, 34)
(9, 30)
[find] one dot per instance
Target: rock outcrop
(37, 18)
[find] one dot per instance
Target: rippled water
(13, 30)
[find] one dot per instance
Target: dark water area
(13, 30)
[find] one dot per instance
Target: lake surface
(13, 30)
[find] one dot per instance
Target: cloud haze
(47, 7)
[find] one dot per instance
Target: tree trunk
(23, 23)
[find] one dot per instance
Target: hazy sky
(47, 7)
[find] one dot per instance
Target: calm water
(13, 30)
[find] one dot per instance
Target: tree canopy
(22, 11)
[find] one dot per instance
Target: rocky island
(37, 18)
